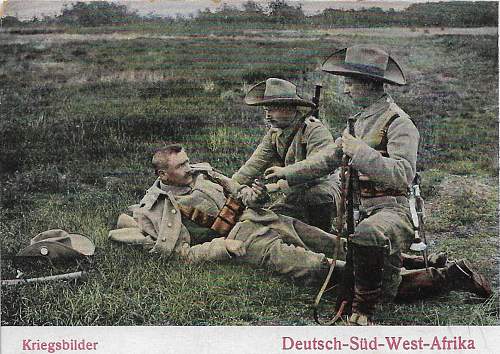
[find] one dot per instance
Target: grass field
(82, 110)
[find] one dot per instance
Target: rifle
(67, 276)
(351, 185)
(346, 220)
(317, 94)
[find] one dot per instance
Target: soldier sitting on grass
(293, 138)
(195, 214)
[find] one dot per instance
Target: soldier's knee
(368, 235)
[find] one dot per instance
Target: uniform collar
(378, 106)
(286, 132)
(175, 190)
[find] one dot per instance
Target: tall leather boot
(419, 284)
(346, 286)
(368, 267)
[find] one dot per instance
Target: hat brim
(65, 245)
(255, 97)
(335, 64)
(54, 250)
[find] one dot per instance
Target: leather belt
(368, 190)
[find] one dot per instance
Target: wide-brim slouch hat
(275, 91)
(365, 62)
(58, 244)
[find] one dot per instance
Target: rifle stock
(351, 185)
(317, 95)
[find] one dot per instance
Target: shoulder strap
(385, 140)
(300, 124)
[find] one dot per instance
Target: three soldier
(299, 151)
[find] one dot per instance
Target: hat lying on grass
(58, 244)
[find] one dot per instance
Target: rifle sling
(299, 125)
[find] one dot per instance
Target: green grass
(81, 118)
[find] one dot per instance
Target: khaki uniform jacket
(393, 172)
(308, 141)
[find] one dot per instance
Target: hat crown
(275, 91)
(368, 57)
(278, 88)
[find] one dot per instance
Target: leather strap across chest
(368, 188)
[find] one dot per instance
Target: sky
(27, 9)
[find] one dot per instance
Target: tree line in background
(441, 14)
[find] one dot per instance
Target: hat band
(368, 69)
(277, 96)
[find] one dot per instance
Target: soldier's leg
(376, 249)
(270, 252)
(316, 239)
(422, 283)
(289, 205)
(321, 215)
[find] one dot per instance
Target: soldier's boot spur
(368, 267)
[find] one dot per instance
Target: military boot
(460, 276)
(419, 284)
(436, 260)
(346, 287)
(368, 267)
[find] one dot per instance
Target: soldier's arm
(219, 249)
(322, 157)
(397, 170)
(230, 185)
(317, 136)
(261, 159)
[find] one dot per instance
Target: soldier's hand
(235, 247)
(274, 172)
(258, 187)
(338, 142)
(253, 197)
(280, 186)
(350, 145)
(272, 187)
(247, 195)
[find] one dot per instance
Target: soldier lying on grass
(194, 213)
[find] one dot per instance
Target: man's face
(280, 116)
(357, 90)
(178, 172)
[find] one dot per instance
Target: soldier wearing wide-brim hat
(384, 152)
(285, 150)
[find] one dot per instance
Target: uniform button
(44, 251)
(173, 211)
(164, 239)
(169, 224)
